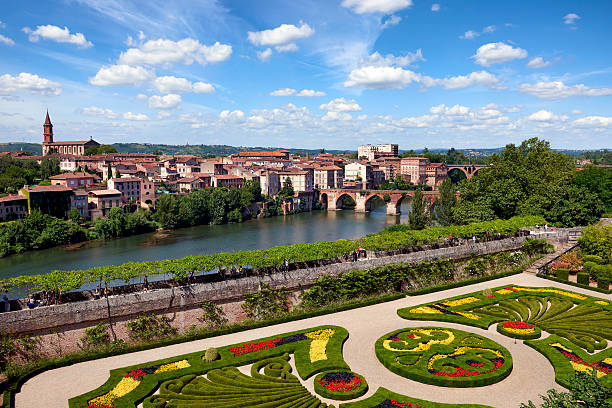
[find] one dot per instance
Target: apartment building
(416, 168)
(129, 187)
(102, 201)
(12, 207)
(74, 180)
(328, 177)
(373, 152)
(227, 180)
(302, 180)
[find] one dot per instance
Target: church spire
(48, 130)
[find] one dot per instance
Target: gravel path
(532, 373)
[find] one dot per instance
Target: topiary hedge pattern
(444, 356)
(584, 322)
(340, 385)
(383, 398)
(270, 384)
(315, 350)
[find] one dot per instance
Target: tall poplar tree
(418, 219)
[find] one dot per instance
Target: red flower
(136, 374)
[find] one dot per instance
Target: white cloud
(291, 47)
(264, 55)
(203, 87)
(471, 34)
(172, 84)
(497, 53)
(142, 97)
(57, 34)
(341, 105)
(121, 75)
(435, 7)
(185, 51)
(2, 25)
(161, 115)
(283, 35)
(169, 101)
(576, 112)
(546, 116)
(96, 111)
(336, 116)
(376, 6)
(513, 109)
(463, 81)
(378, 60)
(236, 116)
(6, 40)
(372, 77)
(391, 21)
(29, 82)
(538, 62)
(135, 116)
(292, 92)
(558, 90)
(594, 121)
(193, 117)
(571, 18)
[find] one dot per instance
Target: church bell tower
(48, 130)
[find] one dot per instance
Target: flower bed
(384, 398)
(340, 385)
(519, 330)
(315, 350)
(443, 356)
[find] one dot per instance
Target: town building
(13, 207)
(227, 180)
(102, 201)
(435, 174)
(130, 188)
(76, 147)
(373, 152)
(79, 201)
(416, 168)
(52, 200)
(74, 180)
(198, 182)
(301, 180)
(328, 177)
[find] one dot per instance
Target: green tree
(444, 205)
(287, 191)
(599, 181)
(585, 391)
(167, 210)
(75, 216)
(596, 240)
(577, 206)
(417, 218)
(49, 167)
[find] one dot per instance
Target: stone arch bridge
(333, 199)
(470, 170)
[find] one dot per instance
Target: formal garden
(570, 329)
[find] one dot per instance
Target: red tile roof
(65, 176)
(46, 189)
(12, 198)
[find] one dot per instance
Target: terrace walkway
(532, 373)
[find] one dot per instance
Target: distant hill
(34, 148)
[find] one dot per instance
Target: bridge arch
(368, 201)
(340, 200)
(323, 199)
(456, 174)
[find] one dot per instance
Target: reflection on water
(301, 228)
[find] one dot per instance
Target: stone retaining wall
(173, 300)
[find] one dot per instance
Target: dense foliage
(15, 173)
(530, 179)
(121, 224)
(394, 237)
(585, 391)
(598, 181)
(596, 240)
(102, 149)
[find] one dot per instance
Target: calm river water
(300, 228)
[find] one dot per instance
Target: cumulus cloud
(292, 92)
(264, 55)
(558, 90)
(283, 37)
(378, 60)
(497, 53)
(142, 97)
(341, 105)
(435, 7)
(96, 111)
(169, 101)
(546, 116)
(236, 116)
(29, 82)
(571, 18)
(336, 116)
(463, 81)
(538, 62)
(6, 40)
(121, 75)
(161, 115)
(57, 34)
(186, 51)
(135, 116)
(376, 6)
(471, 34)
(594, 121)
(391, 21)
(172, 84)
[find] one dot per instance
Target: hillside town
(94, 184)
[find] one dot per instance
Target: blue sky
(310, 74)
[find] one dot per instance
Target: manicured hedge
(583, 278)
(383, 395)
(518, 335)
(444, 357)
(552, 278)
(562, 274)
(229, 357)
(603, 283)
(340, 394)
(460, 284)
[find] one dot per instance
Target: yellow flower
(177, 365)
(319, 343)
(323, 334)
(125, 386)
(424, 309)
(601, 302)
(459, 302)
(503, 291)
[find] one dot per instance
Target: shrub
(213, 315)
(211, 354)
(150, 327)
(593, 258)
(596, 240)
(589, 267)
(583, 278)
(96, 336)
(603, 283)
(487, 292)
(562, 273)
(266, 302)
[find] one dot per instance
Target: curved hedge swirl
(315, 350)
(340, 385)
(578, 323)
(271, 384)
(443, 356)
(383, 398)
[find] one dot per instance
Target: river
(204, 239)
